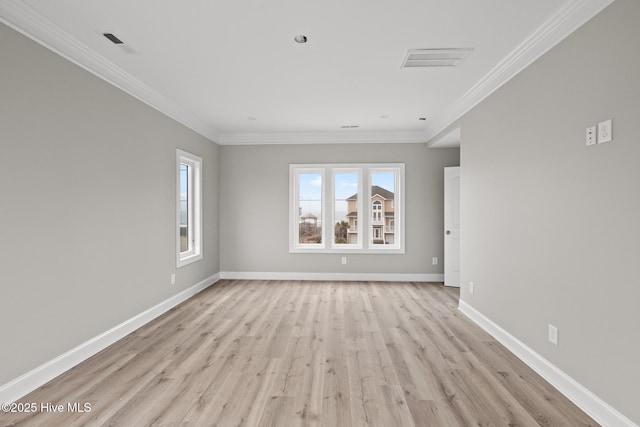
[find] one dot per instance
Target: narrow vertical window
(383, 196)
(189, 208)
(377, 211)
(346, 209)
(185, 231)
(308, 189)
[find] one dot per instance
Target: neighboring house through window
(327, 214)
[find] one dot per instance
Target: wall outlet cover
(605, 131)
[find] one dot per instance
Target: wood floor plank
(263, 394)
(295, 353)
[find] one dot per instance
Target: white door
(452, 226)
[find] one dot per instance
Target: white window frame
(365, 215)
(361, 237)
(294, 204)
(194, 200)
(377, 213)
(398, 207)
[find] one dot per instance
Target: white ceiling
(231, 70)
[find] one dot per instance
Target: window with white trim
(189, 208)
(328, 212)
(346, 210)
(377, 211)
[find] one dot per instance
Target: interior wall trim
(28, 21)
(571, 16)
(582, 397)
(31, 23)
(357, 277)
(25, 384)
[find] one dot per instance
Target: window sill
(381, 251)
(181, 262)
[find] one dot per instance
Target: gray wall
(550, 228)
(254, 212)
(88, 205)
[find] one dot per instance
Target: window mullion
(328, 208)
(366, 210)
(361, 197)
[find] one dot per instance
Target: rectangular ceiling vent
(112, 38)
(420, 58)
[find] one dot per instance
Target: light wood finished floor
(288, 353)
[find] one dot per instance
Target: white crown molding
(565, 21)
(322, 137)
(25, 384)
(583, 398)
(26, 20)
(18, 15)
(355, 277)
(449, 139)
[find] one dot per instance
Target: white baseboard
(23, 385)
(591, 404)
(359, 277)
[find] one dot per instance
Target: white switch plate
(434, 260)
(591, 135)
(471, 287)
(605, 131)
(173, 279)
(553, 334)
(344, 260)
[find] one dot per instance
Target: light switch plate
(553, 334)
(591, 135)
(605, 131)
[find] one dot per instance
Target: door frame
(451, 226)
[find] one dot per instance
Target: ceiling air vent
(420, 58)
(113, 38)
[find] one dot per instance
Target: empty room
(416, 213)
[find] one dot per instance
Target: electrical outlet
(591, 135)
(471, 287)
(434, 260)
(605, 131)
(553, 334)
(344, 260)
(173, 279)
